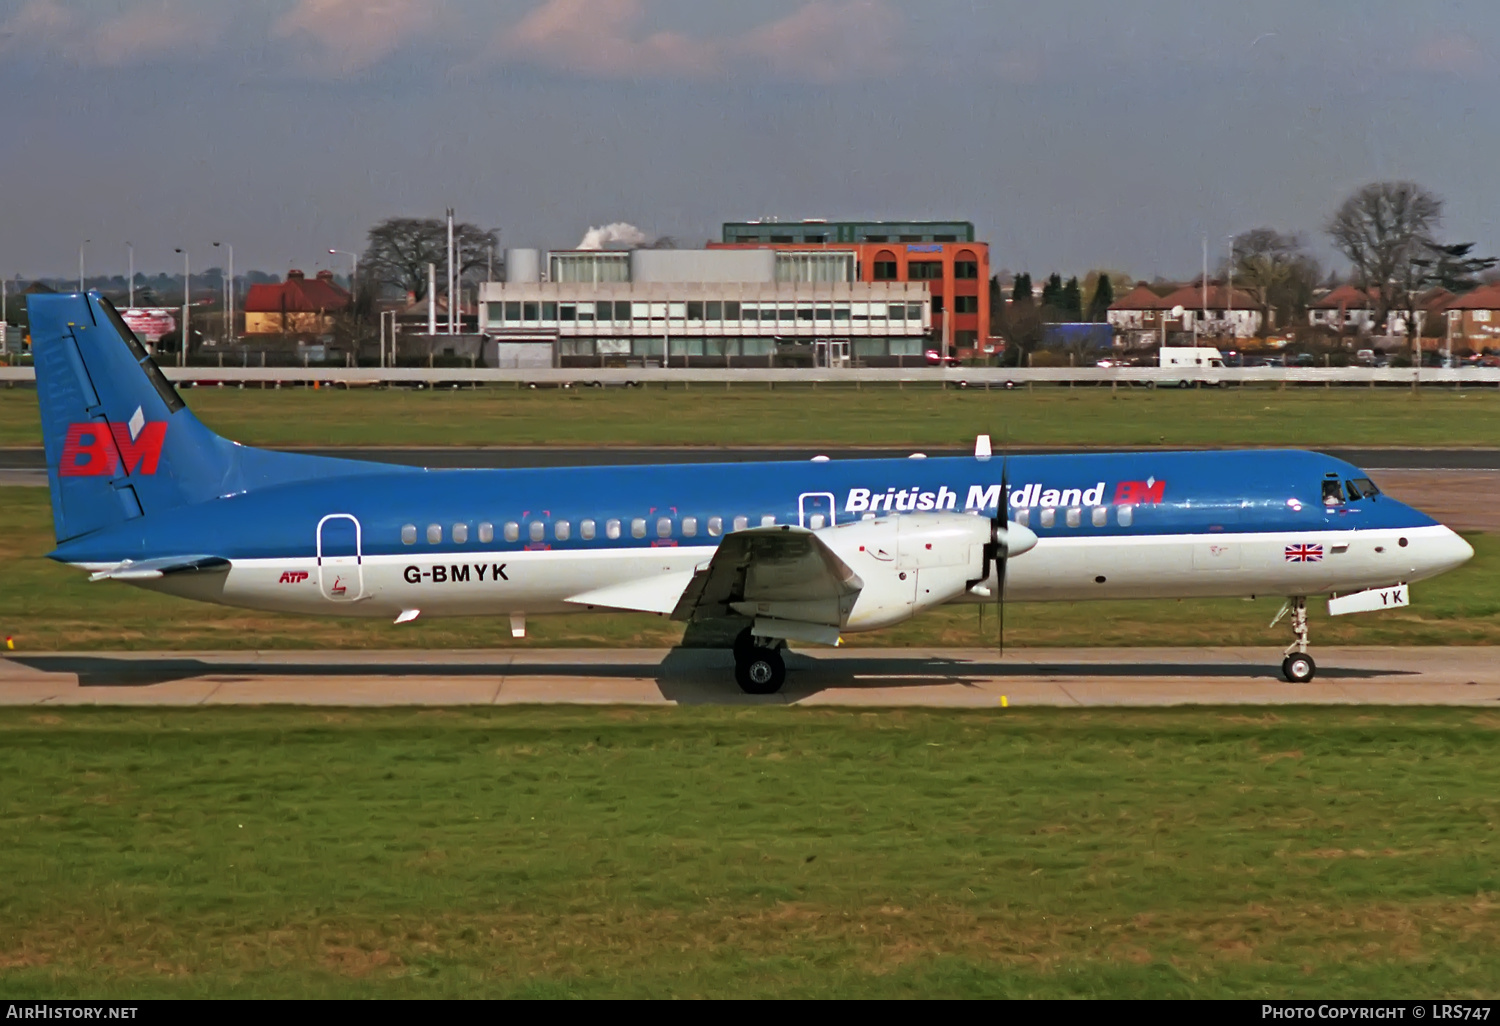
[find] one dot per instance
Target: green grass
(764, 852)
(747, 415)
(47, 607)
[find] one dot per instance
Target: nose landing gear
(1298, 667)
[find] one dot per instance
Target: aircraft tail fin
(120, 441)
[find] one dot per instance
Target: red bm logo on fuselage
(100, 449)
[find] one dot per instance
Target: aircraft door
(815, 510)
(341, 572)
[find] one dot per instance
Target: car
(936, 358)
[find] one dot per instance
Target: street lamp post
(187, 292)
(229, 299)
(130, 284)
(85, 242)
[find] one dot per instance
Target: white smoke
(618, 234)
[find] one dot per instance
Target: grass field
(47, 607)
(744, 415)
(766, 852)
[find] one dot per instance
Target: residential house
(1218, 312)
(297, 306)
(1346, 308)
(1474, 319)
(1140, 309)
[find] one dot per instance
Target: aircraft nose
(1444, 552)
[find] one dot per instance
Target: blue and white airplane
(759, 554)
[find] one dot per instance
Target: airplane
(754, 555)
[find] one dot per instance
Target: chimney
(324, 275)
(295, 275)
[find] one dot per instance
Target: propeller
(996, 551)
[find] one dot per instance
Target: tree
(1383, 229)
(1452, 268)
(1072, 300)
(1274, 267)
(1052, 292)
(1020, 289)
(400, 248)
(1103, 295)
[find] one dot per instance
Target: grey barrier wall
(971, 377)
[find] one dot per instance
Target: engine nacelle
(912, 562)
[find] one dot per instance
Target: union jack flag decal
(1304, 553)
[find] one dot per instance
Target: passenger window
(1125, 515)
(486, 533)
(586, 530)
(1049, 517)
(612, 529)
(768, 521)
(715, 526)
(434, 534)
(1333, 493)
(664, 527)
(538, 531)
(1075, 516)
(460, 534)
(563, 530)
(512, 531)
(638, 527)
(689, 527)
(408, 534)
(1100, 516)
(740, 523)
(1023, 517)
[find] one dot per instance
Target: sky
(1073, 134)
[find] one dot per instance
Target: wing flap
(784, 572)
(659, 594)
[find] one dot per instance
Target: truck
(1191, 360)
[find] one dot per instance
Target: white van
(1197, 357)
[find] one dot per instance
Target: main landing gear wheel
(760, 671)
(1298, 669)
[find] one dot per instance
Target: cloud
(349, 36)
(829, 40)
(140, 33)
(823, 41)
(1452, 53)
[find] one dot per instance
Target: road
(958, 678)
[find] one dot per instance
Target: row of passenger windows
(514, 312)
(687, 527)
(588, 530)
(1073, 517)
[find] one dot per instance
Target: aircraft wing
(783, 577)
(149, 569)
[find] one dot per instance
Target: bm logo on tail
(104, 448)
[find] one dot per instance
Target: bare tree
(400, 248)
(1384, 229)
(1274, 268)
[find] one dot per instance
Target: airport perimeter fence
(939, 377)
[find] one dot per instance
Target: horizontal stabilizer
(148, 569)
(648, 595)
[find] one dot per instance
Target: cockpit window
(1361, 488)
(1333, 493)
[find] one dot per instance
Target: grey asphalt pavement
(950, 678)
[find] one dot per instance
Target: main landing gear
(1298, 667)
(758, 666)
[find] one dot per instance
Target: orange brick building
(940, 254)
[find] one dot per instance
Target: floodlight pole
(130, 285)
(82, 244)
(187, 295)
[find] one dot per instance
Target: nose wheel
(1298, 667)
